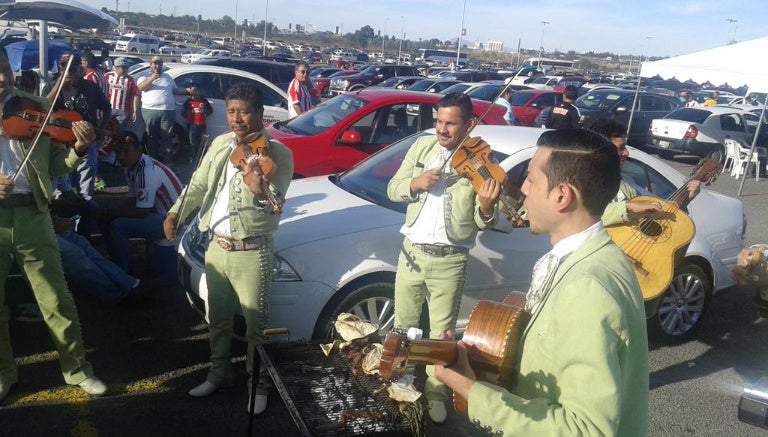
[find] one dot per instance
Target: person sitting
(153, 188)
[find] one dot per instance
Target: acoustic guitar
(655, 244)
(492, 335)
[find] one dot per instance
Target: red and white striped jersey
(153, 184)
(96, 77)
(122, 90)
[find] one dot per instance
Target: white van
(137, 43)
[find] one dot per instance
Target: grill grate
(330, 398)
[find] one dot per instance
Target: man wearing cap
(158, 107)
(89, 101)
(123, 95)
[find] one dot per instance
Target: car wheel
(718, 154)
(682, 305)
(374, 302)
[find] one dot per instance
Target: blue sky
(620, 26)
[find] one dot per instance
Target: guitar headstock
(706, 170)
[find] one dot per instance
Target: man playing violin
(443, 216)
(237, 214)
(582, 362)
(26, 232)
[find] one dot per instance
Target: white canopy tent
(736, 64)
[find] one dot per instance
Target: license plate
(663, 143)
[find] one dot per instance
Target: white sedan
(175, 49)
(338, 243)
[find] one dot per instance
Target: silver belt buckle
(225, 244)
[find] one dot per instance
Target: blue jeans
(124, 228)
(124, 119)
(159, 132)
(85, 267)
(83, 177)
(196, 132)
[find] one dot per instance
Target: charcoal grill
(324, 396)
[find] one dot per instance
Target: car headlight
(343, 83)
(284, 272)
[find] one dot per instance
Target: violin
(472, 159)
(23, 117)
(251, 156)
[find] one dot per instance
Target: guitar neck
(432, 352)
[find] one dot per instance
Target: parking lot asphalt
(150, 358)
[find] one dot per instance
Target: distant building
(494, 46)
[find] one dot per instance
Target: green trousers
(243, 279)
(28, 234)
(442, 278)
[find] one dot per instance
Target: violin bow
(47, 118)
(482, 116)
(200, 153)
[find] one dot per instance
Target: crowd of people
(582, 365)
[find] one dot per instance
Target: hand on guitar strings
(645, 207)
(459, 376)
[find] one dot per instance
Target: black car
(617, 104)
(94, 45)
(372, 75)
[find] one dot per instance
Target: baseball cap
(156, 59)
(121, 62)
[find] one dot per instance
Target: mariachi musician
(240, 210)
(26, 232)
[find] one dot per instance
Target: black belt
(18, 201)
(250, 243)
(439, 249)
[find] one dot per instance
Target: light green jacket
(616, 212)
(48, 160)
(584, 355)
(462, 207)
(248, 215)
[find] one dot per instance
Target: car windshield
(323, 116)
(597, 100)
(520, 99)
(370, 70)
(691, 115)
(124, 38)
(369, 178)
(391, 82)
(421, 85)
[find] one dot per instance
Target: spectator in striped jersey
(92, 73)
(123, 95)
(152, 187)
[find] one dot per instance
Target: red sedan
(348, 128)
(527, 104)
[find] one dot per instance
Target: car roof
(177, 69)
(718, 109)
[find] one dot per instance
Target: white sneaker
(207, 388)
(437, 411)
(259, 404)
(4, 389)
(93, 386)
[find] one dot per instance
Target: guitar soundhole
(651, 228)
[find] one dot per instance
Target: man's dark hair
(302, 64)
(585, 160)
(90, 60)
(457, 99)
(571, 92)
(609, 128)
(248, 93)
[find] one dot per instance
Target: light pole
(264, 41)
(234, 40)
(541, 46)
(402, 35)
(730, 40)
(637, 90)
(461, 33)
(383, 35)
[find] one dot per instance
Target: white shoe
(4, 389)
(259, 404)
(93, 386)
(437, 411)
(207, 388)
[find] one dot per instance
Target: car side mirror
(351, 137)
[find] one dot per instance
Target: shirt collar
(569, 244)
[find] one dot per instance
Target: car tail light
(691, 132)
